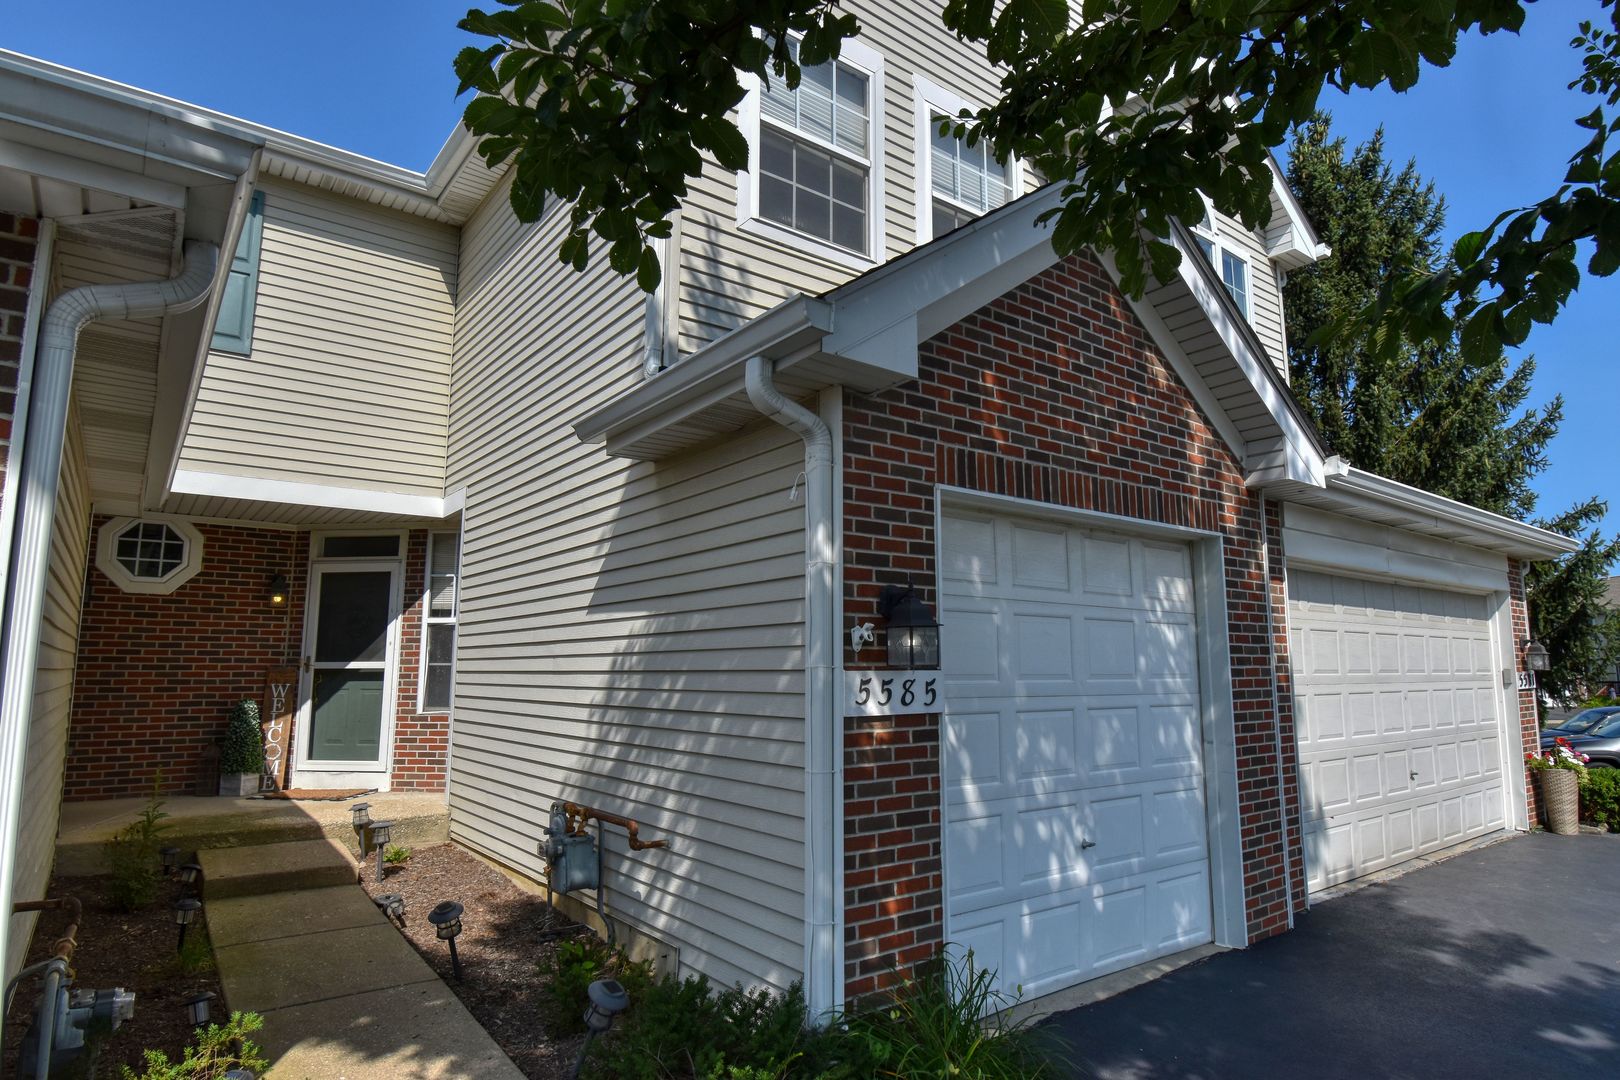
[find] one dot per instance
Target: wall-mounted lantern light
(1535, 655)
(380, 831)
(185, 911)
(913, 630)
(446, 920)
(197, 1007)
(278, 590)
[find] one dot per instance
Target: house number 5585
(884, 693)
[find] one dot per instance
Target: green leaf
(722, 137)
(1468, 246)
(647, 270)
(1155, 13)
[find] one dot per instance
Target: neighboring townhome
(467, 519)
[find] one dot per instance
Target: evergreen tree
(1428, 415)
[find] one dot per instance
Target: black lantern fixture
(360, 818)
(171, 860)
(446, 920)
(380, 831)
(1535, 655)
(197, 1007)
(185, 911)
(607, 1000)
(392, 905)
(913, 630)
(278, 590)
(189, 873)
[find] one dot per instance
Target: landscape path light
(380, 831)
(360, 818)
(446, 920)
(392, 905)
(184, 912)
(189, 873)
(197, 1007)
(607, 1000)
(171, 860)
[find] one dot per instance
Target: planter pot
(1560, 793)
(239, 785)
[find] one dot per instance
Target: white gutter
(823, 993)
(40, 477)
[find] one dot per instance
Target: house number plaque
(893, 693)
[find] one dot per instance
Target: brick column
(19, 237)
(1529, 717)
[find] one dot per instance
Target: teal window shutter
(233, 329)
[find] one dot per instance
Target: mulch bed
(503, 940)
(135, 951)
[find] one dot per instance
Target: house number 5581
(885, 693)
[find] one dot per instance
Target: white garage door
(1396, 707)
(1075, 826)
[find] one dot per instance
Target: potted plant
(241, 756)
(1560, 773)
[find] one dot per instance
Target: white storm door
(353, 610)
(1076, 835)
(1395, 703)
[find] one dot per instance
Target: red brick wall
(157, 675)
(1053, 392)
(1529, 718)
(1283, 666)
(18, 237)
(421, 740)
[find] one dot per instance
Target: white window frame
(1220, 251)
(107, 555)
(428, 619)
(931, 100)
(869, 63)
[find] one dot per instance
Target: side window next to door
(233, 329)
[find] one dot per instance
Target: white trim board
(261, 489)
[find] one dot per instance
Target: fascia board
(1302, 247)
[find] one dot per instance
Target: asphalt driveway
(1503, 962)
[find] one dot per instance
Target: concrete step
(271, 868)
(196, 824)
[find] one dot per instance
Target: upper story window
(233, 326)
(814, 162)
(1233, 269)
(955, 182)
(143, 555)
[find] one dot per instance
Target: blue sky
(1493, 131)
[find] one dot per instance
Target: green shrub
(394, 855)
(944, 1022)
(1599, 702)
(569, 971)
(243, 750)
(217, 1050)
(132, 855)
(1600, 798)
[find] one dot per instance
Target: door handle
(1413, 775)
(1084, 843)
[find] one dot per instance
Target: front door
(353, 612)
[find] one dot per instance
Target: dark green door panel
(348, 716)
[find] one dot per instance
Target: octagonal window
(143, 555)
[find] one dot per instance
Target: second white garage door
(1396, 707)
(1074, 804)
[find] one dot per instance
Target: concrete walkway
(1504, 961)
(344, 996)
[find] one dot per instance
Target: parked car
(1600, 743)
(1579, 724)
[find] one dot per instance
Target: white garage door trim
(1434, 725)
(1229, 924)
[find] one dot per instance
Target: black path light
(184, 912)
(171, 860)
(197, 1007)
(189, 873)
(607, 1000)
(392, 905)
(913, 630)
(446, 919)
(380, 831)
(360, 818)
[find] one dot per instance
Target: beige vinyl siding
(348, 381)
(1265, 299)
(630, 634)
(53, 690)
(728, 276)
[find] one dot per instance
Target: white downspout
(39, 478)
(823, 992)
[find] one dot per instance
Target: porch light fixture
(278, 590)
(446, 920)
(197, 1007)
(379, 839)
(913, 630)
(171, 860)
(1535, 655)
(392, 904)
(607, 1000)
(185, 911)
